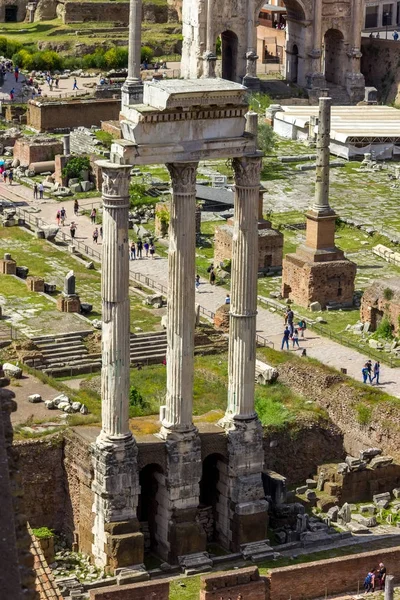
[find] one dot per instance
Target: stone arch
(213, 507)
(229, 50)
(334, 57)
(296, 41)
(150, 504)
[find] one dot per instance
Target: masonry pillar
(209, 57)
(117, 541)
(246, 505)
(355, 82)
(132, 89)
(316, 75)
(251, 80)
(183, 535)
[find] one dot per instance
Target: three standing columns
(246, 506)
(117, 541)
(180, 532)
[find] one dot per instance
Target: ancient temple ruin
(319, 271)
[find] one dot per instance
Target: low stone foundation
(36, 284)
(137, 591)
(8, 266)
(69, 304)
(245, 584)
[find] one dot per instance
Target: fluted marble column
(321, 198)
(181, 298)
(115, 302)
(242, 328)
(114, 454)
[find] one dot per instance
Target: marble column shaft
(243, 311)
(181, 298)
(135, 24)
(321, 199)
(115, 301)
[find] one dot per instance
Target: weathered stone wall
(42, 481)
(136, 591)
(114, 12)
(329, 577)
(78, 517)
(360, 486)
(311, 443)
(323, 282)
(28, 151)
(374, 305)
(66, 115)
(21, 9)
(244, 583)
(381, 68)
(341, 402)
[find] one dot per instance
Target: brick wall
(246, 583)
(270, 247)
(332, 576)
(28, 152)
(113, 127)
(112, 12)
(374, 305)
(49, 116)
(42, 481)
(138, 591)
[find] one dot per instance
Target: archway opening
(151, 480)
(295, 46)
(11, 14)
(229, 48)
(214, 500)
(294, 63)
(334, 56)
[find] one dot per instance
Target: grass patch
(364, 414)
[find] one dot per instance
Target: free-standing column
(242, 328)
(114, 454)
(115, 299)
(132, 90)
(181, 298)
(209, 56)
(251, 54)
(321, 199)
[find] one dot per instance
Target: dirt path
(269, 325)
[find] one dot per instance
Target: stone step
(72, 343)
(63, 363)
(257, 551)
(146, 353)
(65, 352)
(67, 335)
(148, 335)
(92, 367)
(151, 359)
(148, 344)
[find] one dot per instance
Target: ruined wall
(374, 305)
(136, 591)
(78, 518)
(114, 12)
(329, 577)
(341, 402)
(381, 68)
(20, 6)
(311, 443)
(42, 481)
(244, 583)
(27, 151)
(66, 115)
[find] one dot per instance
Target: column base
(210, 61)
(117, 541)
(252, 83)
(131, 93)
(182, 534)
(245, 502)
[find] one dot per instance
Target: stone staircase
(66, 354)
(339, 95)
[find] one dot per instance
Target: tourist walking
(139, 248)
(12, 94)
(377, 370)
(197, 282)
(395, 36)
(364, 372)
(35, 191)
(381, 575)
(227, 299)
(75, 86)
(146, 248)
(63, 214)
(58, 217)
(76, 207)
(369, 581)
(101, 232)
(133, 251)
(5, 174)
(41, 190)
(289, 319)
(10, 177)
(295, 338)
(369, 367)
(285, 339)
(302, 326)
(95, 235)
(93, 216)
(152, 250)
(72, 229)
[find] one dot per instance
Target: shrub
(266, 138)
(116, 58)
(146, 53)
(364, 414)
(137, 404)
(105, 138)
(384, 329)
(43, 532)
(74, 167)
(388, 294)
(138, 195)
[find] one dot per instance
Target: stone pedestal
(117, 541)
(8, 266)
(68, 303)
(36, 284)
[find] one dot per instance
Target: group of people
(375, 577)
(395, 35)
(136, 250)
(291, 331)
(61, 216)
(6, 174)
(370, 373)
(38, 191)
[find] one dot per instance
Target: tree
(266, 138)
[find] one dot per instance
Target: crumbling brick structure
(36, 149)
(244, 583)
(382, 299)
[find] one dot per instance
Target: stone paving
(269, 325)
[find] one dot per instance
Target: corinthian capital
(115, 179)
(247, 171)
(183, 176)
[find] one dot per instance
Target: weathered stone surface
(311, 484)
(311, 495)
(87, 186)
(367, 521)
(76, 406)
(382, 500)
(315, 306)
(11, 370)
(301, 490)
(265, 373)
(344, 514)
(368, 509)
(380, 461)
(396, 492)
(50, 404)
(355, 464)
(34, 398)
(75, 188)
(369, 453)
(355, 527)
(333, 513)
(61, 398)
